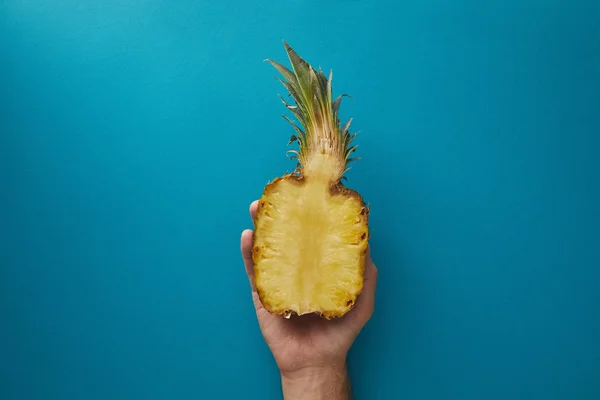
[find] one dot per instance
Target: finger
(370, 283)
(246, 248)
(253, 209)
(365, 304)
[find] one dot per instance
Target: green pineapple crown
(317, 112)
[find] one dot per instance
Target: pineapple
(311, 231)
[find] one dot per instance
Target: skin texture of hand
(311, 351)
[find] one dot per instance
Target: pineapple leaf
(351, 150)
(349, 138)
(289, 75)
(329, 90)
(336, 104)
(292, 91)
(344, 130)
(301, 133)
(320, 102)
(294, 154)
(323, 85)
(294, 109)
(302, 71)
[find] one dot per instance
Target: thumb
(246, 249)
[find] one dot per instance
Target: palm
(309, 340)
(300, 341)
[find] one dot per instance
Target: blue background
(135, 134)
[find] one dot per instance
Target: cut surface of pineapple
(311, 231)
(309, 250)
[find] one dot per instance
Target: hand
(309, 350)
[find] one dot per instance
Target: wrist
(328, 382)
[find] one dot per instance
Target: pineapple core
(311, 231)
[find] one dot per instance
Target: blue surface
(133, 136)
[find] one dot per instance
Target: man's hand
(310, 351)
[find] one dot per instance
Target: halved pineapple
(311, 231)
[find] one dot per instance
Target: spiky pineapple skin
(360, 215)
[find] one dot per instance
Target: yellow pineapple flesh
(311, 231)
